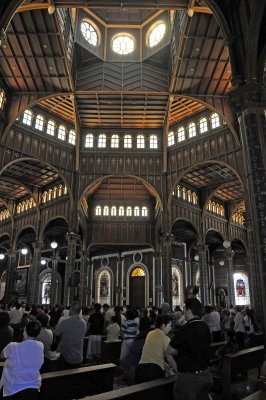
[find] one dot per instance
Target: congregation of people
(155, 342)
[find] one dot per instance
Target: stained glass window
(104, 287)
(138, 271)
(241, 287)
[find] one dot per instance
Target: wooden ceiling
(34, 59)
(218, 179)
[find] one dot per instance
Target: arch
(146, 277)
(38, 162)
(186, 170)
(177, 285)
(20, 232)
(187, 221)
(42, 232)
(95, 184)
(44, 274)
(3, 284)
(104, 292)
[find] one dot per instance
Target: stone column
(158, 280)
(204, 278)
(54, 260)
(119, 283)
(10, 276)
(249, 103)
(69, 289)
(166, 243)
(229, 254)
(34, 282)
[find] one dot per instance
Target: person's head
(32, 329)
(114, 319)
(4, 319)
(75, 308)
(130, 315)
(144, 312)
(165, 308)
(85, 310)
(43, 319)
(164, 322)
(192, 309)
(189, 291)
(97, 307)
(105, 307)
(17, 305)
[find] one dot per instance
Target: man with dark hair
(191, 343)
(71, 331)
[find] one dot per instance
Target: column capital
(38, 245)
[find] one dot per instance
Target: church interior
(132, 141)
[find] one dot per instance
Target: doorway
(137, 288)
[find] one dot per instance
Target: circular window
(156, 34)
(123, 44)
(89, 33)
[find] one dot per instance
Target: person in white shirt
(113, 330)
(21, 379)
(239, 327)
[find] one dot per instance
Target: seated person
(6, 332)
(154, 353)
(46, 338)
(21, 379)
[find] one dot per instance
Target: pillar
(83, 277)
(69, 289)
(10, 277)
(54, 260)
(157, 261)
(229, 255)
(204, 277)
(166, 243)
(33, 286)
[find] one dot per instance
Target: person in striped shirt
(129, 330)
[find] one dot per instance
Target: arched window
(55, 190)
(153, 142)
(213, 207)
(113, 211)
(127, 141)
(104, 287)
(178, 191)
(189, 197)
(222, 211)
(209, 205)
(65, 189)
(241, 286)
(123, 44)
(3, 284)
(89, 33)
(46, 288)
(181, 136)
(39, 122)
(203, 125)
(192, 130)
(60, 190)
(138, 271)
(136, 212)
(89, 140)
(115, 141)
(140, 142)
(194, 198)
(215, 121)
(129, 212)
(171, 138)
(50, 128)
(2, 99)
(72, 137)
(23, 204)
(156, 34)
(27, 117)
(121, 211)
(144, 212)
(62, 132)
(50, 194)
(19, 208)
(105, 211)
(184, 193)
(102, 141)
(44, 197)
(98, 210)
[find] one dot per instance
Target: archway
(137, 287)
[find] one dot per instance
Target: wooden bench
(111, 351)
(236, 363)
(77, 383)
(214, 347)
(159, 389)
(259, 395)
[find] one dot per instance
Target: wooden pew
(215, 346)
(236, 363)
(259, 395)
(159, 389)
(77, 383)
(111, 351)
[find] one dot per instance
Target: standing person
(239, 327)
(95, 330)
(21, 379)
(192, 343)
(6, 332)
(129, 331)
(71, 332)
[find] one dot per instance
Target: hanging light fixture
(24, 251)
(196, 257)
(43, 261)
(221, 262)
(226, 244)
(54, 244)
(2, 256)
